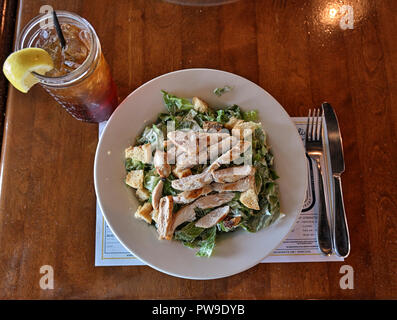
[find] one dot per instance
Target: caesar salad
(199, 172)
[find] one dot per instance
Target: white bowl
(235, 252)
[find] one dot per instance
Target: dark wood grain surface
(8, 10)
(297, 52)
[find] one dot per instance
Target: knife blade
(340, 229)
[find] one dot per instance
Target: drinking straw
(59, 30)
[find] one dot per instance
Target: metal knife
(340, 229)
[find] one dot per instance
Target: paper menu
(300, 245)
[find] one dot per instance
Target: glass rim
(77, 74)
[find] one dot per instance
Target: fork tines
(314, 125)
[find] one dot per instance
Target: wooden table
(8, 9)
(297, 52)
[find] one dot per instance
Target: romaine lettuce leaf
(251, 115)
(257, 222)
(201, 212)
(207, 242)
(195, 237)
(132, 164)
(220, 91)
(188, 233)
(168, 190)
(150, 180)
(153, 135)
(175, 104)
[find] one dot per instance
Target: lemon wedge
(19, 66)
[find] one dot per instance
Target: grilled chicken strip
(156, 194)
(213, 200)
(187, 213)
(192, 182)
(190, 196)
(173, 153)
(213, 217)
(181, 139)
(189, 160)
(206, 139)
(161, 165)
(231, 155)
(240, 185)
(165, 218)
(192, 142)
(234, 153)
(217, 149)
(212, 126)
(197, 181)
(186, 160)
(233, 174)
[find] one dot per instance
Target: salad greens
(175, 104)
(221, 91)
(182, 112)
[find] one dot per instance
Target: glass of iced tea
(81, 80)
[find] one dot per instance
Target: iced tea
(81, 80)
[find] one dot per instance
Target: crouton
(142, 194)
(135, 179)
(244, 129)
(233, 121)
(144, 212)
(155, 214)
(141, 153)
(181, 172)
(199, 105)
(249, 198)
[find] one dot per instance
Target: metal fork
(314, 148)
